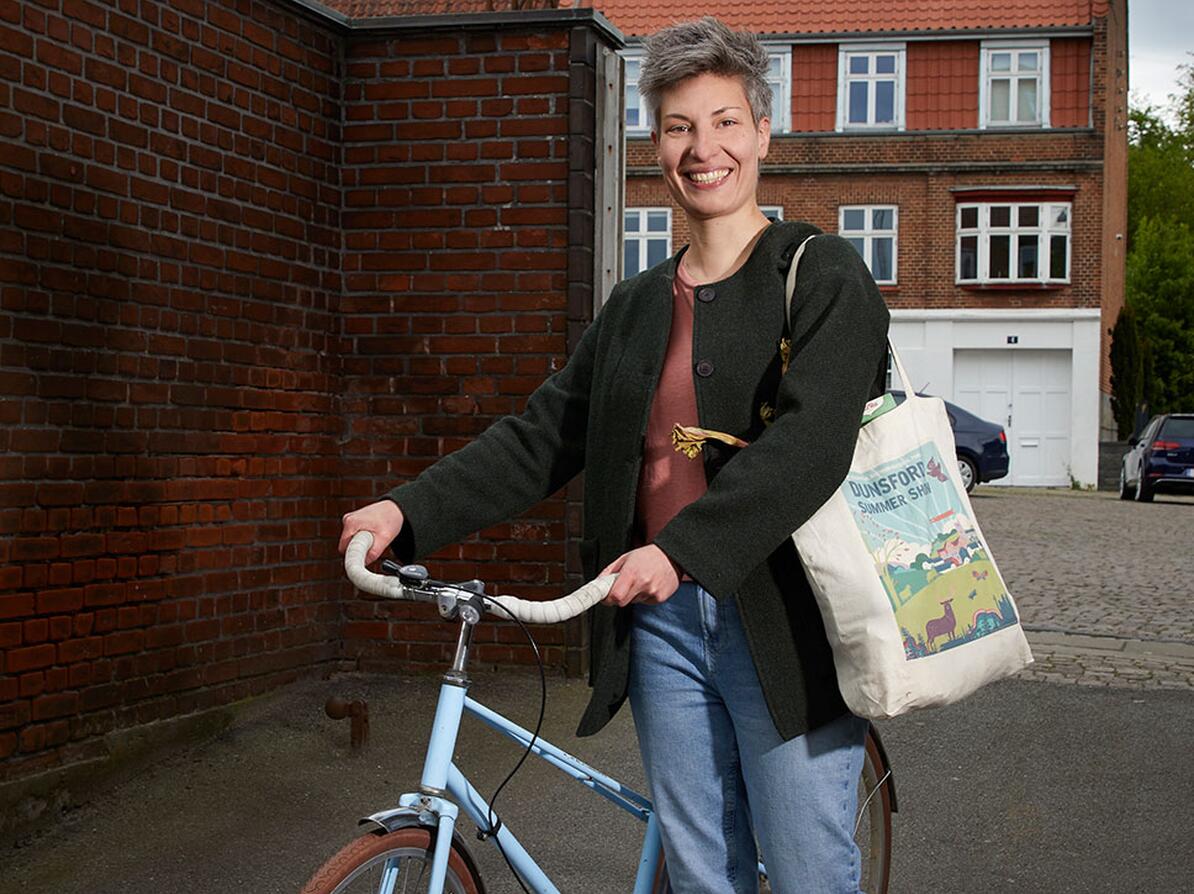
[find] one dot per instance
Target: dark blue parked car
(1161, 458)
(981, 445)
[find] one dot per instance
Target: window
(647, 239)
(1013, 242)
(1014, 85)
(870, 87)
(779, 78)
(636, 114)
(872, 229)
(775, 212)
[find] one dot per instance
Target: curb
(1080, 643)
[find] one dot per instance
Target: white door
(1028, 393)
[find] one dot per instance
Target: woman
(711, 629)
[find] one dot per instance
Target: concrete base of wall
(1111, 454)
(34, 803)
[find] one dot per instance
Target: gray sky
(1160, 37)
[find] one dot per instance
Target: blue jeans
(720, 775)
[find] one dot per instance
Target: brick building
(257, 263)
(975, 154)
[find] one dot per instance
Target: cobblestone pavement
(1104, 586)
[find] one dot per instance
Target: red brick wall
(1111, 114)
(249, 281)
(942, 85)
(170, 254)
(456, 295)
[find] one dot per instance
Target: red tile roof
(787, 17)
(635, 17)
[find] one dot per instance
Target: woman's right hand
(383, 519)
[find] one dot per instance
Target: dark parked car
(981, 445)
(1161, 458)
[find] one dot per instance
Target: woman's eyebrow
(712, 114)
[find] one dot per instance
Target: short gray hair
(706, 46)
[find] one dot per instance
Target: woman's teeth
(708, 176)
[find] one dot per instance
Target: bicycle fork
(430, 800)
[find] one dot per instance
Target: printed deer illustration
(943, 626)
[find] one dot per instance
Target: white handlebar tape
(364, 579)
(557, 610)
(552, 612)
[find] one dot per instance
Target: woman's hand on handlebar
(645, 574)
(383, 519)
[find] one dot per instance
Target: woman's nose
(704, 144)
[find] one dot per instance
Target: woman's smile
(708, 179)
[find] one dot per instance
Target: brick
(29, 658)
(56, 601)
(15, 605)
(85, 649)
(10, 635)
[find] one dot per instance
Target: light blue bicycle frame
(442, 777)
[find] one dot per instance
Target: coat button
(704, 369)
(706, 294)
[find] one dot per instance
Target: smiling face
(709, 147)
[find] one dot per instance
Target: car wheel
(1144, 492)
(1125, 493)
(969, 472)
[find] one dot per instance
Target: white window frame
(868, 234)
(990, 47)
(642, 235)
(781, 106)
(845, 51)
(781, 114)
(1045, 230)
(643, 128)
(775, 211)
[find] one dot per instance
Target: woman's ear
(764, 136)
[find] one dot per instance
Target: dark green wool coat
(734, 541)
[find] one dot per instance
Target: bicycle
(418, 841)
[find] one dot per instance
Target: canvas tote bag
(913, 603)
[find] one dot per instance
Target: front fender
(386, 821)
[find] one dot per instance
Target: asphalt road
(1025, 787)
(1076, 777)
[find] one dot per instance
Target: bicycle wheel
(872, 831)
(397, 861)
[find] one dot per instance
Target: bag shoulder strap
(790, 293)
(790, 289)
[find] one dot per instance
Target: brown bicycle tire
(362, 851)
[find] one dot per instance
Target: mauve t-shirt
(669, 480)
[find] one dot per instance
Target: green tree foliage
(1160, 169)
(1160, 291)
(1127, 373)
(1160, 266)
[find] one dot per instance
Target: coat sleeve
(767, 490)
(515, 463)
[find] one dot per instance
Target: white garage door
(1028, 392)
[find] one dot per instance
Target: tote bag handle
(790, 290)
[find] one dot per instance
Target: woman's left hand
(645, 574)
